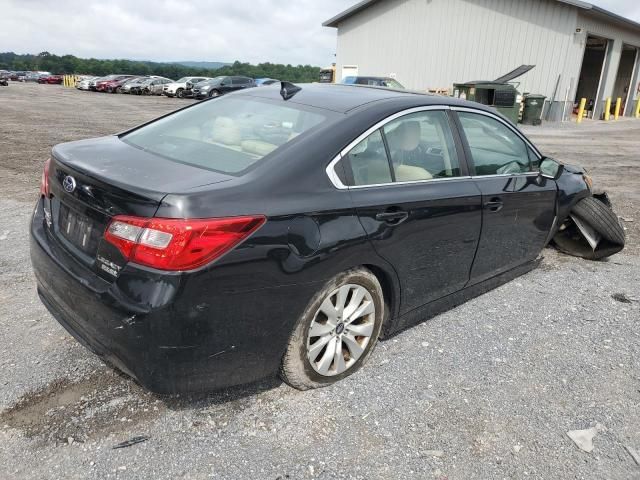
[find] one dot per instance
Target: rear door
(518, 205)
(238, 83)
(416, 201)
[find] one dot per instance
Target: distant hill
(205, 65)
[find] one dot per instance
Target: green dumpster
(533, 105)
(502, 96)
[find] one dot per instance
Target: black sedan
(217, 86)
(288, 229)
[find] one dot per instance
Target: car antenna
(288, 90)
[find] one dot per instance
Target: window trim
(331, 171)
(506, 124)
(462, 156)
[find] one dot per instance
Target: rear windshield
(228, 134)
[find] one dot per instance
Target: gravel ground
(487, 390)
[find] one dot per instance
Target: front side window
(495, 148)
(228, 135)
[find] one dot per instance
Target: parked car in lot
(154, 86)
(177, 88)
(50, 79)
(16, 76)
(35, 77)
(133, 85)
(115, 85)
(112, 85)
(84, 82)
(93, 83)
(372, 82)
(286, 230)
(217, 86)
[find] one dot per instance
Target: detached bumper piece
(592, 230)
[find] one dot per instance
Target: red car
(51, 79)
(112, 84)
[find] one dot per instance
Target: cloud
(171, 30)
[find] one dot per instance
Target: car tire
(179, 92)
(118, 90)
(214, 93)
(308, 362)
(603, 220)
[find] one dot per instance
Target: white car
(83, 82)
(177, 88)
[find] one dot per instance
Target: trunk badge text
(69, 184)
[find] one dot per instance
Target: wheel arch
(391, 291)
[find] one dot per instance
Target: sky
(197, 30)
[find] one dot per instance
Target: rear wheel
(336, 333)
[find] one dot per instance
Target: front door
(415, 200)
(518, 205)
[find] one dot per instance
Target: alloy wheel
(341, 330)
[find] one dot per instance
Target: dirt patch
(66, 411)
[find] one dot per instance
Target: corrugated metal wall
(596, 24)
(434, 43)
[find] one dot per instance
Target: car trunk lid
(92, 181)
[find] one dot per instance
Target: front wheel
(180, 92)
(214, 93)
(336, 333)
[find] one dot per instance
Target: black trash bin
(532, 113)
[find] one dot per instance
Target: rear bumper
(169, 332)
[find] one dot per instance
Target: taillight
(177, 244)
(44, 182)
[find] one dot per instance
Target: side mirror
(550, 168)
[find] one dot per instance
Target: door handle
(394, 218)
(494, 205)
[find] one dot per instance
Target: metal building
(578, 49)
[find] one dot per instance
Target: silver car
(154, 86)
(84, 83)
(133, 85)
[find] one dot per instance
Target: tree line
(69, 64)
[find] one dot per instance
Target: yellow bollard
(607, 109)
(637, 108)
(583, 102)
(616, 112)
(65, 81)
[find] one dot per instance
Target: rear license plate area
(79, 230)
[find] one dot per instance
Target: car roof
(343, 98)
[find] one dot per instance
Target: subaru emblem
(69, 184)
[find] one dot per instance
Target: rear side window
(495, 148)
(227, 135)
(421, 146)
(369, 162)
(412, 148)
